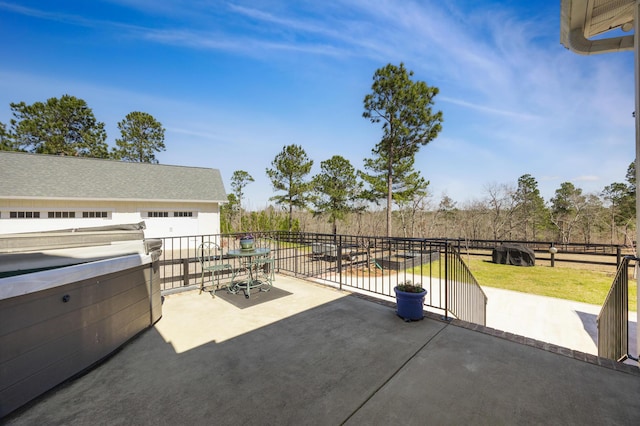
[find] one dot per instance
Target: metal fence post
(339, 260)
(446, 280)
(185, 272)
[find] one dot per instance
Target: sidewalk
(558, 321)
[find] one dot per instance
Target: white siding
(205, 219)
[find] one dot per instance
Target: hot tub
(406, 260)
(64, 309)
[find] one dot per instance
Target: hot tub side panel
(155, 295)
(51, 335)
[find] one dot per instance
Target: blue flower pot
(410, 305)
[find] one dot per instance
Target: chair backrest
(209, 254)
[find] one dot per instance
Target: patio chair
(211, 260)
(264, 266)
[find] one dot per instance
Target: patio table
(251, 281)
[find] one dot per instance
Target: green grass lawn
(564, 283)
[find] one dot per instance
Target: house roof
(582, 20)
(39, 176)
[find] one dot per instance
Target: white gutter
(579, 44)
(573, 21)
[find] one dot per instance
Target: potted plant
(410, 301)
(246, 242)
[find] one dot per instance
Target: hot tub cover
(514, 254)
(34, 251)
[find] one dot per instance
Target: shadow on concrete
(344, 361)
(590, 325)
(319, 364)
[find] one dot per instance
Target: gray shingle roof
(48, 176)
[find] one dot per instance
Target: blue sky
(233, 82)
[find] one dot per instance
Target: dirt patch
(362, 270)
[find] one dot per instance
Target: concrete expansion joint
(394, 373)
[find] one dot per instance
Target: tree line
(518, 212)
(503, 212)
(340, 194)
(67, 126)
(404, 108)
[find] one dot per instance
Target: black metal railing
(467, 301)
(372, 265)
(180, 267)
(613, 320)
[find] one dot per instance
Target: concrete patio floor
(322, 356)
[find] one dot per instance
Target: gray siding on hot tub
(50, 335)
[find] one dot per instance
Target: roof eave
(577, 43)
(572, 21)
(151, 200)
